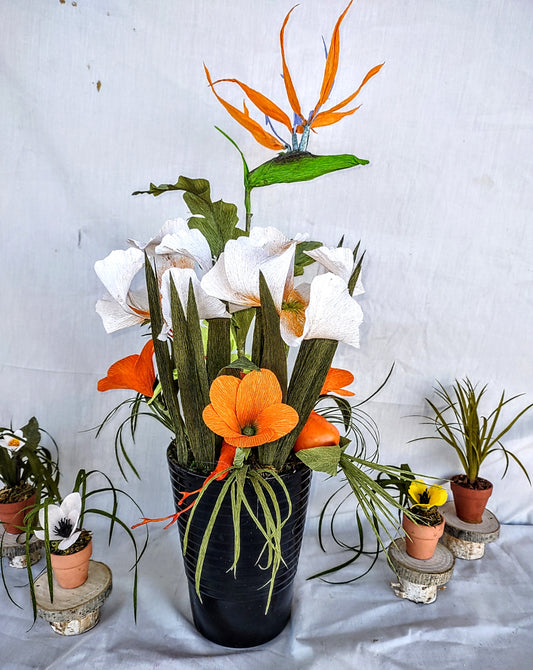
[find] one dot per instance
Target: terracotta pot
(470, 503)
(12, 514)
(72, 570)
(420, 540)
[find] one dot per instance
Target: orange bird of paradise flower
(302, 125)
(135, 372)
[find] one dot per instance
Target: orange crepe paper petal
(257, 390)
(332, 61)
(135, 372)
(223, 396)
(329, 118)
(263, 104)
(279, 418)
(219, 425)
(289, 86)
(335, 381)
(371, 73)
(265, 139)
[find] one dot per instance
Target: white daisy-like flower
(12, 441)
(62, 521)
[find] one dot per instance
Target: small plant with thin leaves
(473, 435)
(62, 524)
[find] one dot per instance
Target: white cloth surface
(483, 618)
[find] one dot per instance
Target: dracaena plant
(224, 306)
(61, 523)
(26, 463)
(471, 431)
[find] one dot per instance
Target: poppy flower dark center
(63, 528)
(424, 498)
(249, 430)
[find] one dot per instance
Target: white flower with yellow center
(12, 441)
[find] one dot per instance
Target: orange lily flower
(248, 412)
(301, 125)
(335, 381)
(135, 372)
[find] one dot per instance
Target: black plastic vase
(231, 611)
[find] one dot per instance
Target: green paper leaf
(321, 459)
(299, 166)
(217, 221)
(301, 259)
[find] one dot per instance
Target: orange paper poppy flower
(336, 380)
(315, 119)
(135, 372)
(248, 412)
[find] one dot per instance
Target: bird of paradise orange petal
(135, 372)
(248, 412)
(336, 380)
(302, 125)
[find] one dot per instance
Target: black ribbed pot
(232, 610)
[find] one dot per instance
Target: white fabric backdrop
(443, 209)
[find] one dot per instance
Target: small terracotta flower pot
(420, 540)
(12, 514)
(470, 503)
(72, 570)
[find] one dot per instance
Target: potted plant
(224, 305)
(473, 436)
(27, 470)
(68, 540)
(424, 525)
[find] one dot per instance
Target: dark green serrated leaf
(299, 166)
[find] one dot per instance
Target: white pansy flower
(12, 441)
(208, 306)
(62, 521)
(122, 306)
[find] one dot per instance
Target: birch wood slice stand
(418, 580)
(14, 548)
(74, 611)
(468, 540)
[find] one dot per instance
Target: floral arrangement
(225, 305)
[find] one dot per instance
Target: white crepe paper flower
(12, 441)
(121, 307)
(62, 521)
(208, 306)
(331, 314)
(185, 248)
(168, 228)
(235, 276)
(339, 261)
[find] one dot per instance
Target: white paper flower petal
(13, 441)
(272, 240)
(168, 228)
(114, 316)
(71, 507)
(332, 313)
(116, 272)
(189, 243)
(69, 541)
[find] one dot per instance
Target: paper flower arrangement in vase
(224, 305)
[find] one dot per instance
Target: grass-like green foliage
(470, 433)
(110, 512)
(32, 465)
